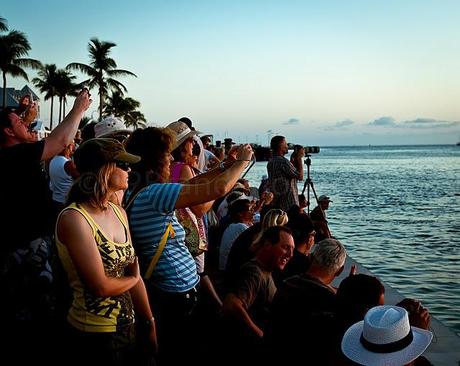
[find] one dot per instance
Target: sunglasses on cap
(123, 165)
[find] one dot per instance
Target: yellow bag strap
(169, 231)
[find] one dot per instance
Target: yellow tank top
(90, 313)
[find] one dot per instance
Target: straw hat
(183, 132)
(385, 337)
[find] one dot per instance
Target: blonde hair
(274, 217)
(92, 188)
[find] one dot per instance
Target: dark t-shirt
(24, 195)
(255, 288)
(302, 319)
(298, 264)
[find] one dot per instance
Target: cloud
(292, 121)
(423, 123)
(383, 121)
(344, 123)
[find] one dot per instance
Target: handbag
(195, 232)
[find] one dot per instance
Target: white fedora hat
(385, 337)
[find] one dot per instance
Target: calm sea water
(397, 211)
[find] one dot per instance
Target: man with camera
(283, 175)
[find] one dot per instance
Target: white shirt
(228, 238)
(60, 181)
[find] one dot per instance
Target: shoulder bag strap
(169, 232)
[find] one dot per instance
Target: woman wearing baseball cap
(94, 245)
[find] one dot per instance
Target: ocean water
(397, 211)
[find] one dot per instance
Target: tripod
(309, 183)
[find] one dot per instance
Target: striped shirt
(150, 214)
(282, 177)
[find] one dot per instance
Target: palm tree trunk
(4, 90)
(51, 113)
(101, 101)
(64, 101)
(60, 110)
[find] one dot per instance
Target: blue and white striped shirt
(151, 212)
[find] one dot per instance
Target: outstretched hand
(244, 152)
(352, 270)
(418, 315)
(83, 101)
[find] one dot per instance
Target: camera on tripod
(308, 149)
(311, 149)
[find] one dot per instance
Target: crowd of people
(147, 247)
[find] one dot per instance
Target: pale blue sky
(319, 72)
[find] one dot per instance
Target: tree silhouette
(13, 46)
(102, 70)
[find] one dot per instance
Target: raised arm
(64, 133)
(195, 194)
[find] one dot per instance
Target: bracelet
(222, 166)
(150, 321)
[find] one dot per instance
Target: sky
(326, 73)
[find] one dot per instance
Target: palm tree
(46, 82)
(3, 26)
(13, 46)
(64, 86)
(101, 71)
(124, 108)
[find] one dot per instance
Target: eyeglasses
(123, 165)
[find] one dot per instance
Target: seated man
(385, 337)
(245, 307)
(302, 316)
(318, 216)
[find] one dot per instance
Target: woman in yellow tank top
(94, 245)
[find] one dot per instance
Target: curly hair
(154, 146)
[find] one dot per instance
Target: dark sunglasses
(123, 165)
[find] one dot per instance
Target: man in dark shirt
(303, 310)
(245, 307)
(283, 176)
(25, 271)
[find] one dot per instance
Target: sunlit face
(284, 147)
(188, 147)
(282, 251)
(119, 177)
(324, 205)
(20, 129)
(168, 160)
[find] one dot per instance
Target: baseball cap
(92, 154)
(324, 198)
